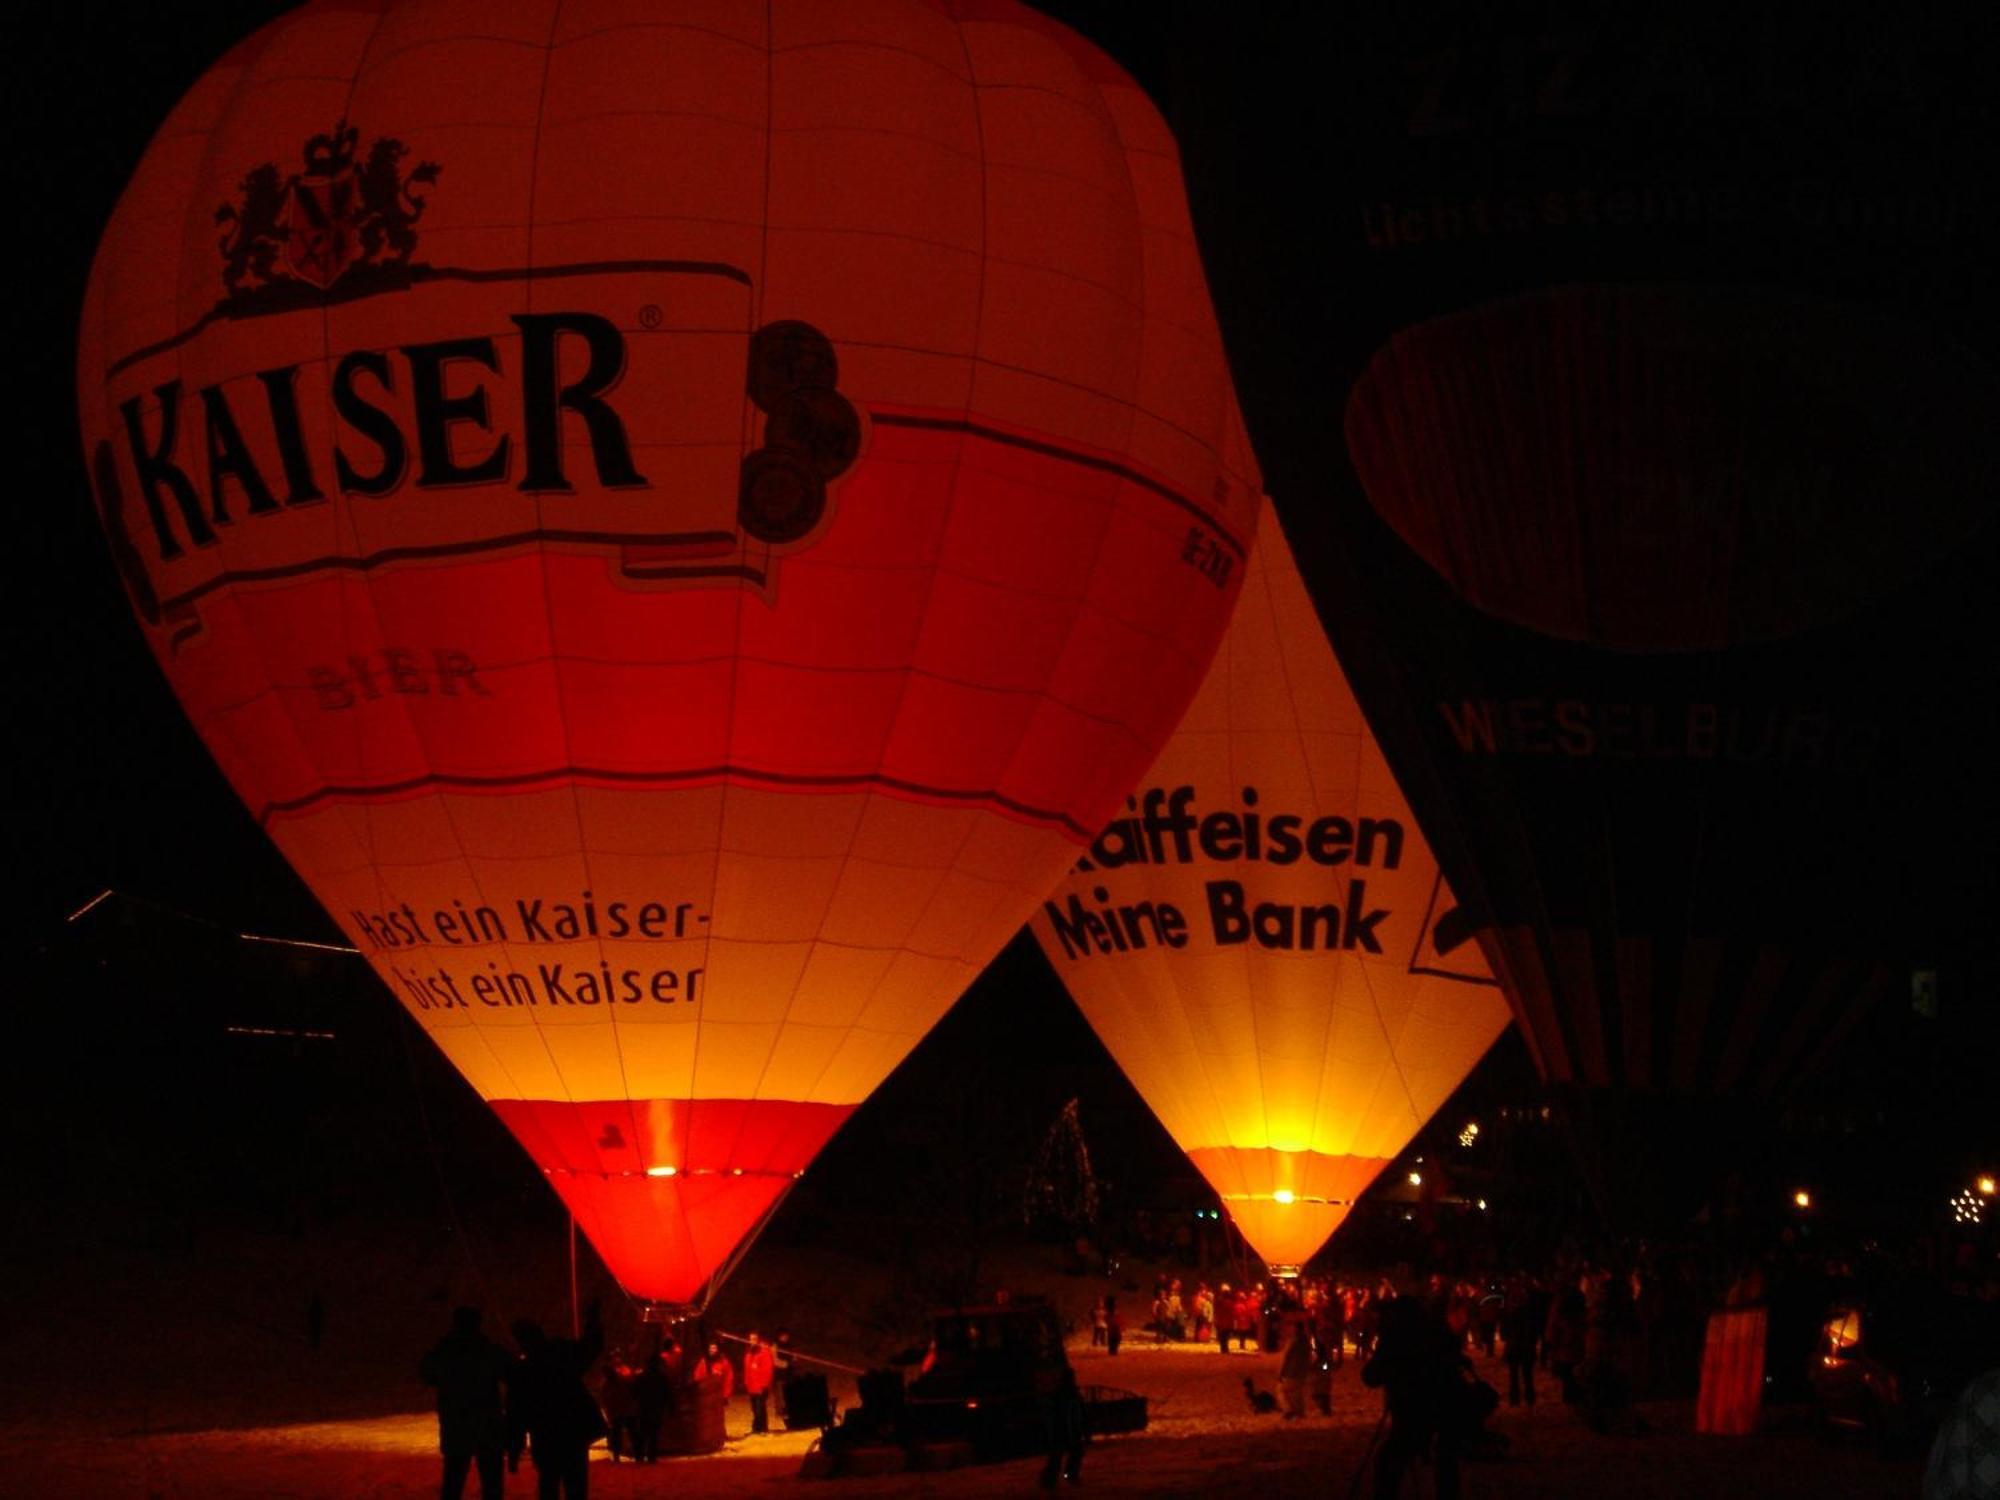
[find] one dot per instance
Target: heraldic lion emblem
(335, 219)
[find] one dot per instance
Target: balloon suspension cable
(403, 1026)
(810, 1359)
(110, 893)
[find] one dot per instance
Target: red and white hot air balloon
(679, 519)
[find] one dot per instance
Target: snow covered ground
(1204, 1441)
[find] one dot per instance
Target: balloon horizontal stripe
(752, 775)
(541, 537)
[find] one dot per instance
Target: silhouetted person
(654, 1389)
(1114, 1326)
(469, 1371)
(620, 1404)
(1607, 1376)
(1521, 1328)
(1067, 1433)
(1293, 1370)
(782, 1371)
(1418, 1365)
(552, 1409)
(1563, 1339)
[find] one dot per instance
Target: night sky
(111, 788)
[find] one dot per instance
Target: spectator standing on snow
(781, 1369)
(620, 1401)
(757, 1376)
(1563, 1338)
(654, 1392)
(1331, 1329)
(1417, 1364)
(1521, 1330)
(1293, 1370)
(1325, 1354)
(1066, 1432)
(469, 1371)
(715, 1366)
(1114, 1326)
(551, 1409)
(1486, 1316)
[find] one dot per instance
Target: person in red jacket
(758, 1370)
(714, 1366)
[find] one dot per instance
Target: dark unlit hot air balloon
(680, 520)
(1669, 403)
(1262, 938)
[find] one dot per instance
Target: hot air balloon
(1263, 941)
(679, 520)
(1667, 394)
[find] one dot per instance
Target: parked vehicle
(983, 1394)
(1889, 1364)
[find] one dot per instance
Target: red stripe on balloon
(632, 1137)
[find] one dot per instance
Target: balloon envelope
(1669, 424)
(1262, 938)
(679, 520)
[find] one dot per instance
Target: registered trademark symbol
(649, 315)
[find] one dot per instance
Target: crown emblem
(290, 237)
(330, 155)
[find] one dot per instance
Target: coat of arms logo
(339, 218)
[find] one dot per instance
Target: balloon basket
(667, 1312)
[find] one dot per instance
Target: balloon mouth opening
(669, 1171)
(1286, 1197)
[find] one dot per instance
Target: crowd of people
(1580, 1321)
(1589, 1329)
(495, 1405)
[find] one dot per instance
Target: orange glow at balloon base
(669, 1189)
